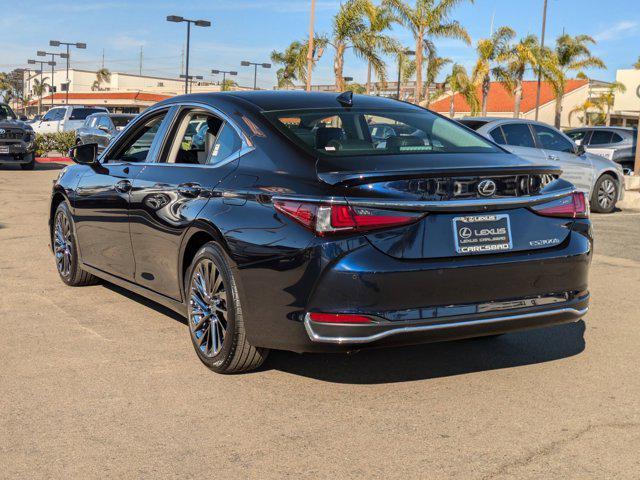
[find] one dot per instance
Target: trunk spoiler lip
(434, 206)
(350, 178)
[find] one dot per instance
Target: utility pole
(140, 70)
(311, 40)
(102, 59)
(544, 26)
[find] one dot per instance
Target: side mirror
(579, 150)
(103, 129)
(84, 154)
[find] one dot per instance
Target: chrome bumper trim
(442, 326)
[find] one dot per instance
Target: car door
(168, 195)
(101, 207)
(518, 139)
(576, 169)
(51, 121)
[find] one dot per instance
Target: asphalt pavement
(99, 382)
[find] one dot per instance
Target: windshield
(6, 112)
(348, 132)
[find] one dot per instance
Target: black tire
(73, 276)
(31, 164)
(605, 194)
(222, 305)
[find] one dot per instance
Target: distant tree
(355, 87)
(103, 75)
(39, 87)
(460, 82)
(571, 54)
(607, 99)
(428, 19)
(637, 64)
(585, 110)
(435, 64)
(294, 61)
(379, 18)
(228, 84)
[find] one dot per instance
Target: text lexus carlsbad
(277, 220)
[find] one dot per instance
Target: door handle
(190, 190)
(554, 157)
(123, 186)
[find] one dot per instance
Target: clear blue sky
(251, 29)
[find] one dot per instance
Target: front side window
(53, 114)
(135, 148)
(577, 135)
(6, 112)
(349, 132)
(600, 137)
(551, 140)
(518, 135)
(498, 136)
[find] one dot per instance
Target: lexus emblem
(465, 232)
(2, 131)
(486, 188)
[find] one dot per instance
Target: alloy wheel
(606, 194)
(208, 319)
(62, 244)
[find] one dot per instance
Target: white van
(65, 119)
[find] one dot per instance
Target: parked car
(615, 143)
(601, 179)
(100, 128)
(17, 140)
(65, 119)
(280, 231)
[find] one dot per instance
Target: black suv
(17, 140)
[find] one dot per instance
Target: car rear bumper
(385, 332)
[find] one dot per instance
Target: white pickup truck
(65, 119)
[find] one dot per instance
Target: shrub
(59, 142)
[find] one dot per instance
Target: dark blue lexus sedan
(276, 220)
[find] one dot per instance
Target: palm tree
(350, 31)
(490, 51)
(637, 64)
(102, 76)
(379, 19)
(294, 61)
(586, 108)
(571, 54)
(228, 84)
(524, 54)
(39, 87)
(428, 19)
(606, 99)
(459, 81)
(435, 64)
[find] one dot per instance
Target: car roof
(604, 127)
(267, 100)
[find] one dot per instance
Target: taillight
(571, 206)
(338, 318)
(326, 219)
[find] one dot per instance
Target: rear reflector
(327, 219)
(338, 318)
(571, 206)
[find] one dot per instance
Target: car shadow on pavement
(434, 360)
(38, 166)
(144, 301)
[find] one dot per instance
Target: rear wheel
(65, 250)
(215, 317)
(31, 164)
(605, 194)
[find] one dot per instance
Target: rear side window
(600, 137)
(577, 135)
(518, 135)
(498, 136)
(615, 138)
(550, 139)
(82, 113)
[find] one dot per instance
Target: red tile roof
(97, 96)
(500, 100)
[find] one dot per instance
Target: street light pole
(544, 25)
(33, 62)
(41, 53)
(56, 43)
(245, 63)
(224, 76)
(310, 47)
(197, 23)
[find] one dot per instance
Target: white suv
(65, 119)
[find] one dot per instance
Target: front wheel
(605, 194)
(215, 317)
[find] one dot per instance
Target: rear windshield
(348, 132)
(83, 113)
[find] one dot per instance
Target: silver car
(601, 179)
(101, 128)
(615, 143)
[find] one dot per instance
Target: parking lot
(97, 381)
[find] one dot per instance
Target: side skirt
(174, 305)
